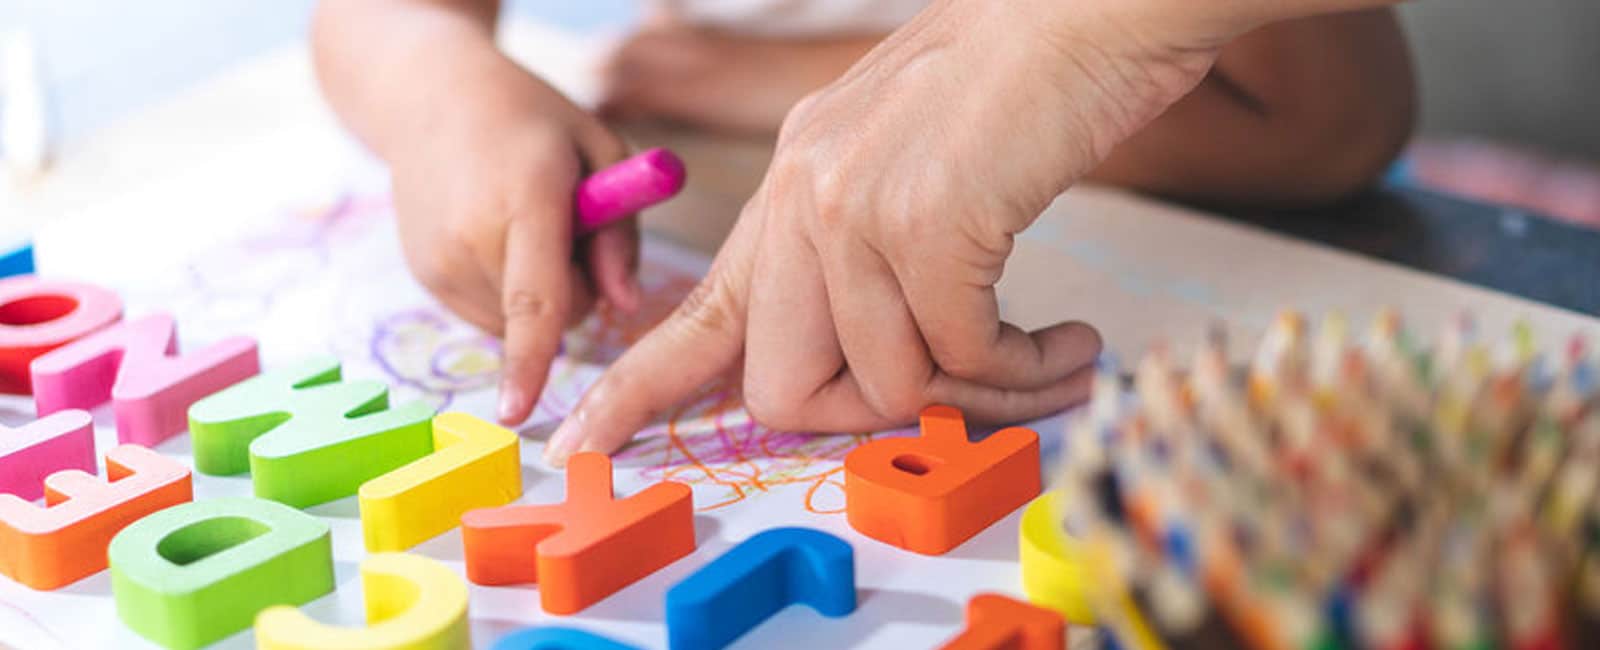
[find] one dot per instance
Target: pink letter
(38, 449)
(133, 365)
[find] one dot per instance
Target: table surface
(1501, 248)
(1141, 270)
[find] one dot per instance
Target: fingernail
(511, 404)
(559, 448)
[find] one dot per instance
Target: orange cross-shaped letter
(585, 548)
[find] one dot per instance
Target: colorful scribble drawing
(433, 355)
(745, 459)
(709, 441)
(341, 256)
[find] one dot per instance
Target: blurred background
(103, 59)
(1516, 79)
(1523, 72)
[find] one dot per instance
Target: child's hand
(485, 208)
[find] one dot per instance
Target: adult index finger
(702, 338)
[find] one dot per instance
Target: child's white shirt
(796, 17)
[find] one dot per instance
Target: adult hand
(858, 285)
(484, 202)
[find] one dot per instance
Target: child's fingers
(582, 299)
(535, 300)
(612, 254)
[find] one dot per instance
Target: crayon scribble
(425, 353)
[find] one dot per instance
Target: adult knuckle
(831, 212)
(834, 201)
(833, 185)
(773, 410)
(895, 403)
(798, 118)
(961, 361)
(903, 225)
(706, 307)
(806, 106)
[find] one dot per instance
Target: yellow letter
(474, 464)
(1051, 573)
(413, 603)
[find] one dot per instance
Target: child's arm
(394, 68)
(485, 159)
(1299, 112)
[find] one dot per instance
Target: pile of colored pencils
(1342, 494)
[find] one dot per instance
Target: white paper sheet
(321, 272)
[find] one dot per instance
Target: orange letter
(57, 545)
(995, 622)
(929, 494)
(586, 548)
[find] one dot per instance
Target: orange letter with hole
(931, 493)
(583, 549)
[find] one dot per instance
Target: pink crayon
(627, 187)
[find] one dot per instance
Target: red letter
(37, 316)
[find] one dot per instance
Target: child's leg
(721, 81)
